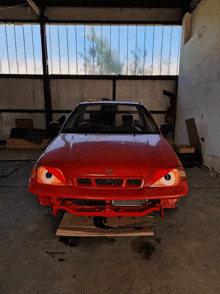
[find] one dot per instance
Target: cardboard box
(24, 123)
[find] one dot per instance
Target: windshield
(110, 119)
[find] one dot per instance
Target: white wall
(199, 80)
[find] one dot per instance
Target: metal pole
(46, 82)
(127, 51)
(58, 35)
(93, 56)
(101, 50)
(85, 48)
(16, 51)
(32, 35)
(118, 45)
(6, 37)
(171, 34)
(136, 57)
(110, 49)
(144, 47)
(178, 57)
(153, 52)
(25, 55)
(67, 48)
(161, 50)
(114, 89)
(76, 49)
(51, 56)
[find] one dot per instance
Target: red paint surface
(147, 157)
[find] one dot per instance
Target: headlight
(48, 175)
(172, 178)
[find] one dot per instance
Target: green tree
(100, 57)
(137, 63)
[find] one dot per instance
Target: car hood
(127, 155)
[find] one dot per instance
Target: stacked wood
(14, 143)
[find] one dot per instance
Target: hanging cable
(5, 8)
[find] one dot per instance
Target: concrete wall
(199, 80)
(17, 93)
(148, 92)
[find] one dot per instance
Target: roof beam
(194, 4)
(34, 6)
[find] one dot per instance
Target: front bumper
(59, 197)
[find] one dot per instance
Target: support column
(114, 89)
(46, 81)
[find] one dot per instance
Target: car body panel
(145, 157)
(92, 154)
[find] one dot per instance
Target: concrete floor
(182, 257)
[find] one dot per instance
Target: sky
(156, 49)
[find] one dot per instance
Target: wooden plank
(184, 149)
(23, 141)
(193, 133)
(24, 144)
(125, 226)
(104, 233)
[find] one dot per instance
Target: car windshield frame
(144, 125)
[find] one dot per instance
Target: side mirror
(54, 128)
(166, 128)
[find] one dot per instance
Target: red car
(109, 159)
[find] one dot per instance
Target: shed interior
(52, 89)
(57, 53)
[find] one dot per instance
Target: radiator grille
(117, 182)
(87, 182)
(84, 181)
(136, 182)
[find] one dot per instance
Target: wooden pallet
(76, 226)
(24, 144)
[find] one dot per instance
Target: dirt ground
(182, 257)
